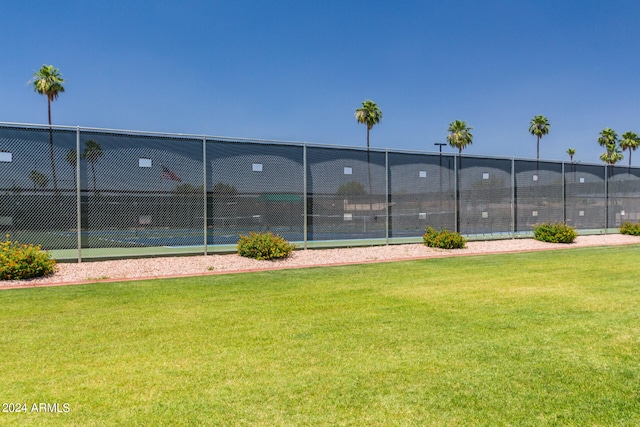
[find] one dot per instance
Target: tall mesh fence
(585, 196)
(422, 193)
(38, 186)
(139, 191)
(346, 194)
(538, 194)
(142, 194)
(623, 189)
(485, 193)
(254, 187)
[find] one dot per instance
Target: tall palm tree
(630, 141)
(612, 156)
(609, 138)
(459, 135)
(539, 126)
(92, 152)
(370, 115)
(571, 152)
(48, 81)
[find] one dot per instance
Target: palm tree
(459, 135)
(630, 141)
(370, 115)
(609, 138)
(612, 156)
(571, 152)
(48, 81)
(92, 152)
(539, 127)
(39, 179)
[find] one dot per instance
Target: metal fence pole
(564, 195)
(78, 207)
(386, 196)
(606, 198)
(513, 198)
(304, 195)
(457, 191)
(204, 191)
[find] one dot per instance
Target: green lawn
(547, 338)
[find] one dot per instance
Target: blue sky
(297, 70)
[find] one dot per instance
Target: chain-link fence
(86, 193)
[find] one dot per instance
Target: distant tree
(189, 189)
(609, 139)
(92, 152)
(39, 179)
(630, 141)
(539, 126)
(71, 157)
(571, 152)
(459, 135)
(351, 188)
(223, 189)
(48, 81)
(370, 115)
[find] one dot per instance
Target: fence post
(386, 196)
(78, 207)
(456, 187)
(513, 198)
(564, 195)
(204, 190)
(606, 198)
(304, 194)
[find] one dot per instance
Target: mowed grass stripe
(546, 338)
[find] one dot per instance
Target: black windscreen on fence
(254, 187)
(485, 196)
(585, 196)
(346, 194)
(38, 186)
(182, 194)
(422, 193)
(538, 193)
(140, 190)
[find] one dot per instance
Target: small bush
(443, 239)
(264, 246)
(553, 232)
(630, 228)
(19, 261)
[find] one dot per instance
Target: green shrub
(264, 246)
(554, 232)
(630, 228)
(443, 239)
(19, 261)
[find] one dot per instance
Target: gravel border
(136, 269)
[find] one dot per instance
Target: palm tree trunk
(458, 183)
(538, 149)
(369, 165)
(53, 164)
(93, 172)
